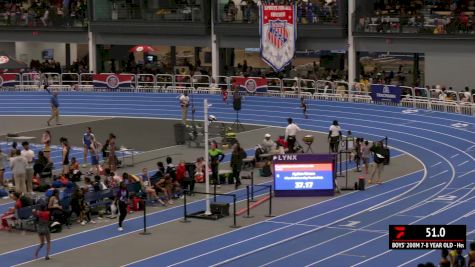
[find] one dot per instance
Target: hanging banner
(251, 85)
(386, 93)
(278, 33)
(113, 81)
(9, 79)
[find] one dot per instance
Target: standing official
(290, 134)
(184, 104)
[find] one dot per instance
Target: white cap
(267, 135)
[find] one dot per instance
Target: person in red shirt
(10, 214)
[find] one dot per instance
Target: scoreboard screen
(304, 175)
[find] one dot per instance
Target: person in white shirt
(18, 165)
(29, 155)
(290, 134)
(184, 104)
(334, 136)
(466, 95)
(268, 145)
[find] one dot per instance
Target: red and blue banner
(251, 84)
(303, 174)
(278, 34)
(113, 81)
(386, 93)
(9, 79)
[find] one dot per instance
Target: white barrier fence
(412, 97)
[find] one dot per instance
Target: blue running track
(350, 230)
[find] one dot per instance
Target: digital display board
(304, 174)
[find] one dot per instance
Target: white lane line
(438, 163)
(460, 176)
(470, 148)
(376, 256)
(331, 227)
(440, 173)
(463, 163)
(287, 226)
(456, 155)
(352, 255)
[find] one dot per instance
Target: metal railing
(342, 91)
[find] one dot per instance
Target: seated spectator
(444, 261)
(268, 145)
(10, 214)
(471, 255)
(74, 171)
(200, 166)
(88, 186)
(160, 171)
(129, 178)
(185, 178)
(57, 211)
(457, 259)
(98, 184)
(80, 207)
(170, 168)
(166, 186)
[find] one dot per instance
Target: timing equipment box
(220, 208)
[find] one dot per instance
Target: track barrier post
(248, 215)
(144, 218)
(252, 187)
(185, 212)
(234, 213)
(270, 202)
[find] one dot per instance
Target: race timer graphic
(427, 236)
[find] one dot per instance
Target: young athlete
(303, 105)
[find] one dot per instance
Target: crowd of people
(431, 17)
(454, 258)
(42, 13)
(309, 11)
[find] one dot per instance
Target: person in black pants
(122, 199)
(290, 135)
(215, 156)
(237, 158)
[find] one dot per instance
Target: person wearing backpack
(237, 158)
(42, 225)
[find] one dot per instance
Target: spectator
(65, 154)
(165, 185)
(40, 164)
(237, 157)
(10, 214)
(88, 186)
(56, 209)
(3, 159)
(268, 145)
(79, 206)
(112, 160)
(200, 166)
(444, 261)
(471, 255)
(160, 171)
(46, 140)
(42, 227)
(18, 166)
(29, 155)
(122, 200)
(74, 171)
(98, 184)
(290, 134)
(88, 139)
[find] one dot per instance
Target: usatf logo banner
(251, 84)
(113, 81)
(278, 33)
